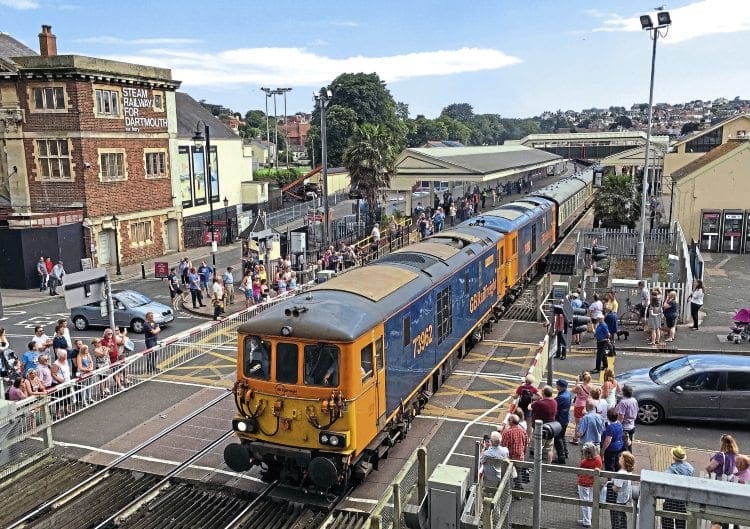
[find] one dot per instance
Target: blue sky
(512, 57)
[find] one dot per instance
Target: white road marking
(471, 423)
(157, 460)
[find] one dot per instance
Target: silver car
(694, 387)
(131, 308)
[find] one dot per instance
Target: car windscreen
(671, 371)
(133, 299)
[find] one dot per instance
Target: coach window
(379, 353)
(257, 358)
(287, 360)
(322, 365)
(407, 331)
(366, 362)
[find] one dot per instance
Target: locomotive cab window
(533, 238)
(322, 365)
(379, 353)
(366, 362)
(287, 359)
(444, 315)
(257, 358)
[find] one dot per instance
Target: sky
(516, 58)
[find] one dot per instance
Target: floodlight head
(646, 22)
(198, 138)
(663, 18)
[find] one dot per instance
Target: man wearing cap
(681, 467)
(228, 280)
(602, 335)
(56, 278)
(562, 416)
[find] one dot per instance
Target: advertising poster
(183, 167)
(199, 177)
(214, 175)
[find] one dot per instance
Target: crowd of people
(604, 428)
(52, 361)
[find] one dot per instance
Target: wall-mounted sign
(133, 101)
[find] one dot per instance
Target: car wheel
(80, 323)
(136, 326)
(650, 412)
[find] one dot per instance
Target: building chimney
(47, 42)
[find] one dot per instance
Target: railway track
(66, 494)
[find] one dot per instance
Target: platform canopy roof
(468, 164)
(636, 157)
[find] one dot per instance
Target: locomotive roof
(347, 306)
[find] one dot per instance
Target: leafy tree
(462, 112)
(617, 203)
(249, 132)
(689, 127)
(370, 159)
(456, 130)
(256, 118)
(422, 130)
(402, 111)
(340, 123)
(621, 121)
(367, 97)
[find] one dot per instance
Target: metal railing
(75, 396)
(25, 433)
(406, 494)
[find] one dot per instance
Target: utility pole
(323, 98)
(286, 127)
(275, 131)
(268, 130)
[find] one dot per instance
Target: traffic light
(580, 323)
(599, 259)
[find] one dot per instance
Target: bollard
(143, 271)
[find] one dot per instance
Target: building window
(444, 315)
(156, 164)
(49, 98)
(107, 103)
(140, 232)
(705, 142)
(54, 160)
(158, 101)
(112, 166)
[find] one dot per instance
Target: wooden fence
(625, 243)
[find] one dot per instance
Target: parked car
(131, 308)
(693, 387)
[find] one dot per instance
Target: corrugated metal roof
(189, 112)
(486, 160)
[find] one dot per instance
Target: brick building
(85, 169)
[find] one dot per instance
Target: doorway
(172, 242)
(106, 247)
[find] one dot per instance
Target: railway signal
(599, 258)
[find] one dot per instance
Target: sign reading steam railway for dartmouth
(133, 100)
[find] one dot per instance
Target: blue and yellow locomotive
(329, 380)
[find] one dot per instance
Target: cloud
(344, 23)
(705, 17)
(300, 67)
(156, 41)
(20, 4)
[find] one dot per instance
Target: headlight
(334, 440)
(323, 439)
(241, 426)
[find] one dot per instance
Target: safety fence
(73, 397)
(406, 497)
(621, 243)
(25, 433)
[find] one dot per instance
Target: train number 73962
(422, 340)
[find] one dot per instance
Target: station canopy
(468, 164)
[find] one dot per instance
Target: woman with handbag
(722, 463)
(696, 302)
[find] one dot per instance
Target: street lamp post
(286, 127)
(117, 244)
(268, 129)
(663, 21)
(226, 220)
(323, 98)
(203, 139)
(275, 131)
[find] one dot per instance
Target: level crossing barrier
(25, 433)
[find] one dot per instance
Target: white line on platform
(517, 378)
(157, 460)
(471, 423)
(190, 384)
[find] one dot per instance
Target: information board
(710, 230)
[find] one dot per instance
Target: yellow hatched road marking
(220, 382)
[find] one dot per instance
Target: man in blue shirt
(601, 333)
(591, 427)
(562, 416)
(610, 318)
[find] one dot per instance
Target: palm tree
(617, 202)
(370, 157)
